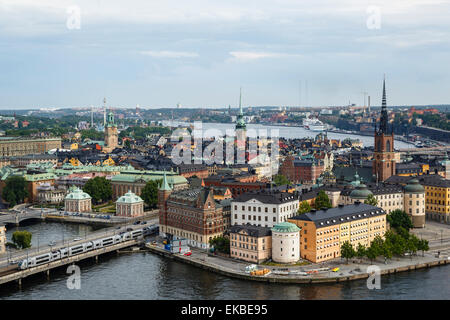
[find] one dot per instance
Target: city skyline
(199, 54)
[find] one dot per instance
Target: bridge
(9, 269)
(433, 150)
(60, 216)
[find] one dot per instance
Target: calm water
(289, 132)
(148, 276)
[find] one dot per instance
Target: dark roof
(253, 231)
(267, 197)
(432, 180)
(340, 214)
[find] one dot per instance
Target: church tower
(241, 132)
(111, 135)
(384, 157)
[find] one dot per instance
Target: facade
(17, 146)
(324, 231)
(77, 201)
(129, 205)
(135, 181)
(2, 239)
(23, 161)
(264, 209)
(111, 134)
(47, 193)
(250, 243)
(301, 170)
(415, 203)
(192, 214)
(285, 243)
(384, 156)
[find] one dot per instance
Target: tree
(150, 193)
(360, 251)
(371, 253)
(99, 189)
(347, 250)
(15, 190)
(399, 218)
(371, 200)
(322, 201)
(412, 244)
(221, 244)
(422, 245)
(280, 180)
(22, 239)
(304, 207)
(386, 250)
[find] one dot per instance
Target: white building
(285, 243)
(263, 208)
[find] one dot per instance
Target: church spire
(384, 115)
(240, 101)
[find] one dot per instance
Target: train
(76, 249)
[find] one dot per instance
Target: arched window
(388, 145)
(379, 145)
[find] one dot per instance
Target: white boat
(314, 125)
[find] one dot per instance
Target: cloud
(170, 54)
(247, 56)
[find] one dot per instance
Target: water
(148, 276)
(288, 132)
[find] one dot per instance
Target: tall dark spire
(384, 115)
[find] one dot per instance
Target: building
(384, 156)
(111, 134)
(129, 205)
(250, 243)
(264, 208)
(237, 184)
(135, 180)
(285, 243)
(77, 201)
(18, 146)
(241, 131)
(299, 170)
(324, 231)
(437, 195)
(192, 214)
(415, 203)
(47, 193)
(2, 239)
(23, 161)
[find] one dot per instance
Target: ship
(314, 125)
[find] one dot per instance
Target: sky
(199, 53)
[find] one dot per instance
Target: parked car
(77, 239)
(137, 222)
(129, 229)
(52, 243)
(188, 253)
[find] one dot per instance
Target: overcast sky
(198, 53)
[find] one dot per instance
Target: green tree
(15, 190)
(322, 201)
(412, 245)
(371, 253)
(221, 244)
(347, 250)
(304, 207)
(99, 188)
(386, 250)
(360, 251)
(150, 193)
(371, 200)
(280, 180)
(22, 239)
(399, 218)
(422, 245)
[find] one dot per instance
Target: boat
(314, 125)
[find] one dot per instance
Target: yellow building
(323, 232)
(437, 199)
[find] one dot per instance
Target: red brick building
(237, 184)
(301, 171)
(192, 214)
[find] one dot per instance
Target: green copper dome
(360, 192)
(285, 227)
(77, 194)
(130, 197)
(414, 186)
